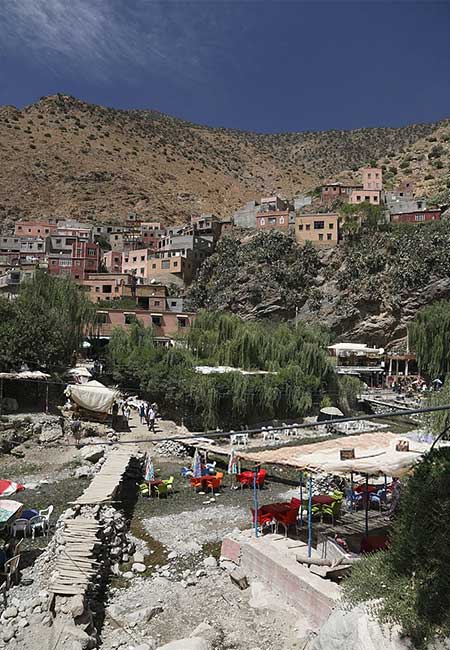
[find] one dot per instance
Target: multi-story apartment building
(322, 230)
(332, 191)
(372, 187)
(165, 324)
(274, 213)
(72, 256)
(112, 261)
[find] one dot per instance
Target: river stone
(92, 453)
(51, 431)
(210, 562)
(10, 612)
(195, 643)
(8, 634)
(138, 567)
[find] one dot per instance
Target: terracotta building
(112, 261)
(165, 324)
(416, 217)
(332, 191)
(322, 230)
(75, 257)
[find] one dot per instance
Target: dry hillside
(62, 156)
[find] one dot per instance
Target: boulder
(194, 643)
(51, 432)
(210, 562)
(138, 567)
(10, 612)
(84, 472)
(355, 629)
(92, 453)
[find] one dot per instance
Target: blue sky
(259, 65)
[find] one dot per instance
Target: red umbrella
(8, 488)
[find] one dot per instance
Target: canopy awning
(375, 454)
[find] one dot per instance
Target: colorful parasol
(197, 465)
(149, 469)
(8, 488)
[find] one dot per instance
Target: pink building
(165, 324)
(106, 286)
(34, 228)
(419, 216)
(368, 196)
(82, 258)
(112, 261)
(372, 178)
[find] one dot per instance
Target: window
(182, 322)
(58, 241)
(300, 227)
(281, 220)
(156, 303)
(419, 205)
(419, 217)
(156, 320)
(107, 288)
(367, 198)
(173, 303)
(65, 262)
(375, 198)
(369, 175)
(165, 264)
(54, 262)
(272, 220)
(319, 225)
(330, 226)
(129, 318)
(320, 237)
(142, 258)
(175, 263)
(39, 247)
(134, 259)
(262, 221)
(19, 227)
(39, 230)
(153, 266)
(116, 237)
(358, 198)
(91, 252)
(329, 236)
(308, 226)
(377, 175)
(116, 289)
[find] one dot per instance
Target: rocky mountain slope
(367, 289)
(65, 156)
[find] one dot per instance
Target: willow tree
(429, 337)
(47, 322)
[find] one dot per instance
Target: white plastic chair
(46, 514)
(37, 523)
(20, 526)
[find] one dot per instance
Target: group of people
(147, 414)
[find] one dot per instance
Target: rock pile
(17, 431)
(170, 448)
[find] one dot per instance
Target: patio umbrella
(149, 469)
(197, 465)
(232, 463)
(8, 488)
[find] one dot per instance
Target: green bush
(409, 584)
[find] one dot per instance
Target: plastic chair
(264, 519)
(169, 483)
(195, 482)
(20, 526)
(162, 490)
(37, 523)
(378, 498)
(11, 571)
(46, 514)
(261, 477)
(288, 519)
(295, 503)
(213, 483)
(333, 510)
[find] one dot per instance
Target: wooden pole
(301, 498)
(46, 397)
(255, 499)
(1, 396)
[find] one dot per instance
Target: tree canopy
(44, 326)
(429, 336)
(294, 358)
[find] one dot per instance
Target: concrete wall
(245, 217)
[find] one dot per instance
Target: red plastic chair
(295, 503)
(261, 477)
(196, 482)
(213, 483)
(288, 519)
(264, 519)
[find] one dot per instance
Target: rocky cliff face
(366, 290)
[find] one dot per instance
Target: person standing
(75, 427)
(151, 419)
(142, 412)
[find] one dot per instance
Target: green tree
(46, 323)
(429, 337)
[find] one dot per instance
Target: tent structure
(374, 454)
(92, 396)
(9, 510)
(80, 373)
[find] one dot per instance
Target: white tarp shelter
(92, 396)
(375, 454)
